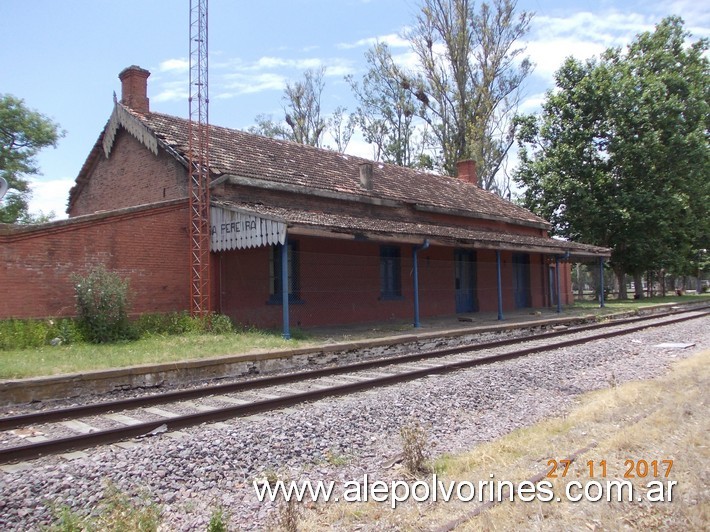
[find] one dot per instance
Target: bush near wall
(102, 302)
(177, 323)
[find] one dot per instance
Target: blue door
(465, 280)
(521, 279)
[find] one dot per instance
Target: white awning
(235, 229)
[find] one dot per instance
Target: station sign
(234, 229)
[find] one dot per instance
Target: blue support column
(284, 289)
(557, 284)
(601, 282)
(415, 258)
(500, 287)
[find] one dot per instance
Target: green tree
(620, 156)
(23, 133)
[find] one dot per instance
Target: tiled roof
(374, 227)
(244, 154)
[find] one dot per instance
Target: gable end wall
(131, 176)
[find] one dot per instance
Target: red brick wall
(147, 245)
(340, 283)
(131, 176)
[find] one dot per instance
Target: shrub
(217, 521)
(66, 329)
(102, 306)
(23, 334)
(220, 324)
(415, 448)
(176, 323)
(19, 334)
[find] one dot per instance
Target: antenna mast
(199, 169)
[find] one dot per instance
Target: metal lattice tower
(198, 151)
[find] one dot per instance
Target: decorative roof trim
(121, 117)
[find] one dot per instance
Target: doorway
(521, 279)
(465, 280)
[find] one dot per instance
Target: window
(390, 272)
(275, 284)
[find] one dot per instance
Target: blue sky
(63, 57)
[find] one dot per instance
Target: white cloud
(248, 83)
(548, 55)
(582, 35)
(270, 73)
(172, 91)
(393, 40)
(174, 65)
(532, 103)
(50, 195)
(695, 14)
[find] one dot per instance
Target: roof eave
(482, 216)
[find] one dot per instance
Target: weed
(67, 520)
(336, 459)
(288, 516)
(271, 477)
(217, 521)
(415, 451)
(116, 512)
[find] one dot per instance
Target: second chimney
(134, 88)
(366, 176)
(466, 170)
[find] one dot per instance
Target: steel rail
(50, 416)
(59, 445)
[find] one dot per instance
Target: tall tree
(386, 111)
(304, 122)
(472, 68)
(23, 133)
(620, 155)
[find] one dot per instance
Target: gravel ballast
(190, 474)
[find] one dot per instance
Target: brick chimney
(134, 88)
(366, 176)
(466, 170)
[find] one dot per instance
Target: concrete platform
(330, 345)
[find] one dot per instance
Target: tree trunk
(663, 282)
(638, 286)
(580, 283)
(621, 279)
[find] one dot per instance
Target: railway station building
(299, 234)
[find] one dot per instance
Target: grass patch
(633, 304)
(117, 512)
(659, 419)
(151, 349)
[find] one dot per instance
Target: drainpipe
(601, 282)
(284, 289)
(415, 253)
(500, 287)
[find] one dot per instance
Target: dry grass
(660, 419)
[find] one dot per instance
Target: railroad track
(110, 422)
